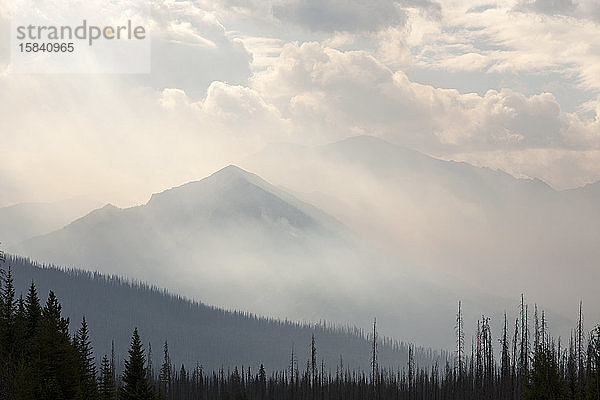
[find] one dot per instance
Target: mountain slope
(235, 241)
(471, 227)
(230, 239)
(26, 220)
(195, 332)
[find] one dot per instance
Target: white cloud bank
(121, 138)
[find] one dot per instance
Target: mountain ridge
(473, 225)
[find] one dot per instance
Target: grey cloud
(178, 65)
(432, 9)
(190, 49)
(592, 10)
(480, 9)
(585, 9)
(550, 7)
(339, 15)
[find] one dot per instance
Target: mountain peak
(232, 172)
(231, 169)
(223, 179)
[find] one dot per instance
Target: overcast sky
(510, 85)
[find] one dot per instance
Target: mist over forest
(299, 199)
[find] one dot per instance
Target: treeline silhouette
(41, 359)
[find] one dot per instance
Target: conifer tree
(20, 326)
(8, 307)
(374, 365)
(6, 376)
(166, 373)
(33, 310)
(571, 370)
(460, 340)
(544, 382)
(411, 369)
(87, 364)
(150, 367)
(580, 355)
(313, 361)
(135, 382)
(505, 361)
(56, 368)
(106, 390)
(593, 385)
(262, 381)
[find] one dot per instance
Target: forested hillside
(43, 357)
(195, 332)
(237, 242)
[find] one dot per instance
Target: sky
(509, 85)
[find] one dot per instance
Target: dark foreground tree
(87, 364)
(106, 387)
(135, 381)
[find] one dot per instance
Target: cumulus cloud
(107, 138)
(190, 49)
(532, 37)
(202, 100)
(353, 92)
(431, 9)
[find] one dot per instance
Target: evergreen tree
(8, 307)
(33, 310)
(87, 364)
(544, 382)
(313, 361)
(20, 325)
(262, 381)
(166, 373)
(28, 369)
(135, 382)
(571, 370)
(460, 340)
(106, 390)
(54, 359)
(150, 367)
(505, 361)
(593, 385)
(6, 376)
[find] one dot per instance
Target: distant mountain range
(233, 240)
(470, 227)
(393, 233)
